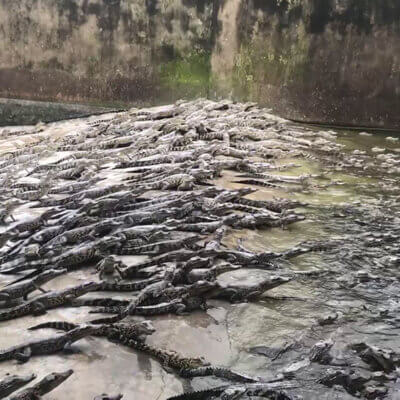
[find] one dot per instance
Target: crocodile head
(51, 273)
(274, 281)
(89, 286)
(201, 287)
(145, 328)
(53, 380)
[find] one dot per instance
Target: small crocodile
(151, 291)
(23, 352)
(169, 359)
(160, 247)
(105, 396)
(46, 301)
(11, 383)
(137, 331)
(106, 266)
(219, 372)
(126, 286)
(245, 390)
(199, 288)
(99, 302)
(209, 274)
(244, 293)
(24, 289)
(46, 385)
(35, 223)
(175, 306)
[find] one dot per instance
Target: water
(227, 334)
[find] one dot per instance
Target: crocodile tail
(60, 325)
(256, 182)
(199, 395)
(108, 320)
(107, 310)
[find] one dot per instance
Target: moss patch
(187, 75)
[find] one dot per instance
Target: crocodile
(35, 223)
(105, 396)
(40, 304)
(24, 289)
(137, 330)
(160, 247)
(276, 206)
(99, 302)
(263, 220)
(72, 236)
(74, 187)
(23, 352)
(176, 306)
(76, 257)
(169, 359)
(107, 266)
(202, 228)
(248, 293)
(7, 210)
(173, 256)
(47, 234)
(126, 286)
(194, 290)
(10, 383)
(30, 195)
(245, 390)
(209, 274)
(46, 385)
(218, 372)
(178, 182)
(151, 291)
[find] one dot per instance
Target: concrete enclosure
(331, 61)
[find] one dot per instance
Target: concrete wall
(332, 61)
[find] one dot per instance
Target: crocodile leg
(68, 348)
(253, 295)
(41, 289)
(24, 356)
(4, 297)
(39, 309)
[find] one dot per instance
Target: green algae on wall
(187, 75)
(279, 61)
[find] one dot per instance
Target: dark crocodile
(105, 396)
(219, 372)
(153, 290)
(249, 390)
(126, 286)
(24, 289)
(168, 359)
(23, 352)
(175, 306)
(46, 301)
(245, 293)
(137, 331)
(11, 383)
(46, 385)
(99, 302)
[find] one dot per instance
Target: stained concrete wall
(332, 61)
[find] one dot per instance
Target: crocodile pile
(145, 183)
